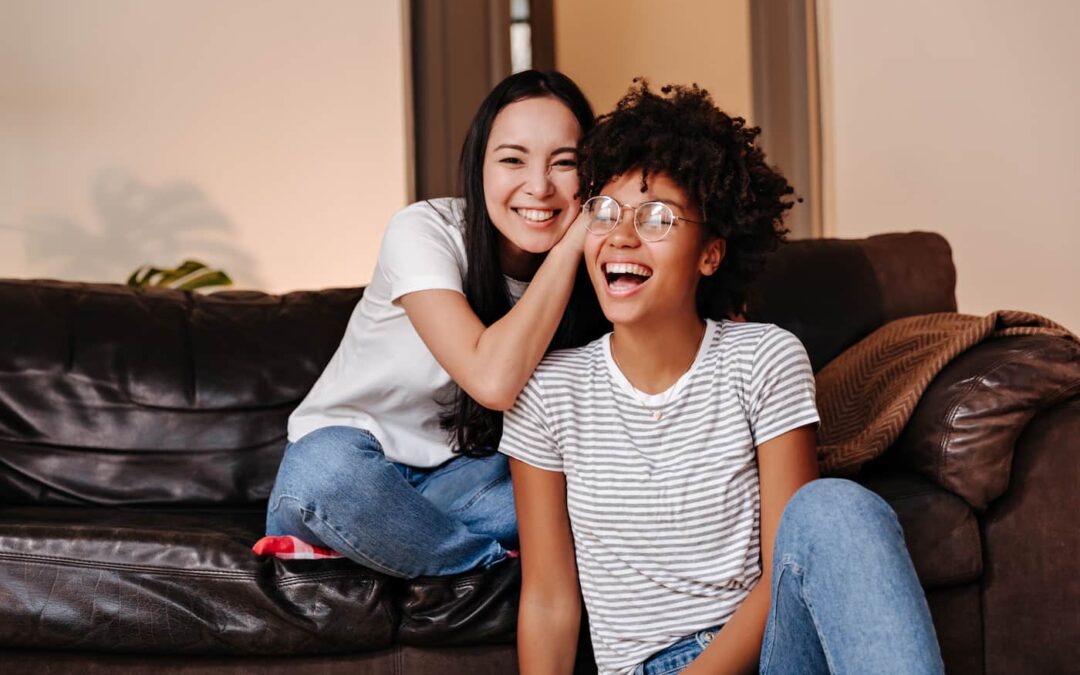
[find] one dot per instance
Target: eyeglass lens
(651, 219)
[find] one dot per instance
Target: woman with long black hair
(391, 456)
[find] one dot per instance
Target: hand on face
(574, 232)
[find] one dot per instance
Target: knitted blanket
(867, 394)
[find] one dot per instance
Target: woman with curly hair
(667, 471)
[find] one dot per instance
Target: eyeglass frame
(675, 218)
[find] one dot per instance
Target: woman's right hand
(573, 237)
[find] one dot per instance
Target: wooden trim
(814, 130)
(498, 35)
(826, 117)
(410, 115)
(542, 23)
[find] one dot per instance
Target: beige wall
(267, 137)
(961, 117)
(604, 44)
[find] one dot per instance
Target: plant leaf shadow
(138, 224)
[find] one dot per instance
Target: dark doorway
(460, 50)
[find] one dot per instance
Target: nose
(538, 182)
(624, 235)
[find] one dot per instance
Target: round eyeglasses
(652, 220)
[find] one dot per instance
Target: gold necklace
(657, 411)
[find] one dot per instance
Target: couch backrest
(112, 395)
(832, 293)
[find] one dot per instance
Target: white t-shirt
(665, 511)
(382, 377)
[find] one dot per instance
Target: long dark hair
(475, 430)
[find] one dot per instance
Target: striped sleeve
(781, 386)
(526, 433)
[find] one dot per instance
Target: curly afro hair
(712, 157)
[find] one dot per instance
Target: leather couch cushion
(111, 395)
(477, 607)
(940, 529)
(400, 660)
(964, 430)
(179, 582)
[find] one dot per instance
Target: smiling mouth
(538, 216)
(625, 277)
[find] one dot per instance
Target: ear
(711, 257)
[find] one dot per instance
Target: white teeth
(534, 214)
(627, 268)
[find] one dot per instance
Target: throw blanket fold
(288, 547)
(867, 394)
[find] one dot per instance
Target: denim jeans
(845, 598)
(673, 659)
(335, 488)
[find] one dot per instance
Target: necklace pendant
(657, 415)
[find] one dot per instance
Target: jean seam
(368, 560)
(774, 614)
(817, 627)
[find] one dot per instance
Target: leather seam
(952, 580)
(166, 571)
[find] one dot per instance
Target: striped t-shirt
(664, 508)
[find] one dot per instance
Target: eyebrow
(669, 202)
(521, 148)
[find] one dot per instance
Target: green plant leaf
(187, 276)
(210, 278)
(143, 275)
(186, 268)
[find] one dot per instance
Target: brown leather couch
(140, 432)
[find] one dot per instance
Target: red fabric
(290, 548)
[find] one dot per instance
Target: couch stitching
(227, 575)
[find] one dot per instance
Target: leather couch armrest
(963, 431)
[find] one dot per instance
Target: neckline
(671, 394)
(515, 287)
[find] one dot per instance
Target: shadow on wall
(139, 224)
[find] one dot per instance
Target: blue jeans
(335, 488)
(845, 598)
(679, 655)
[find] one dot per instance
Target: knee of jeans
(315, 465)
(834, 508)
